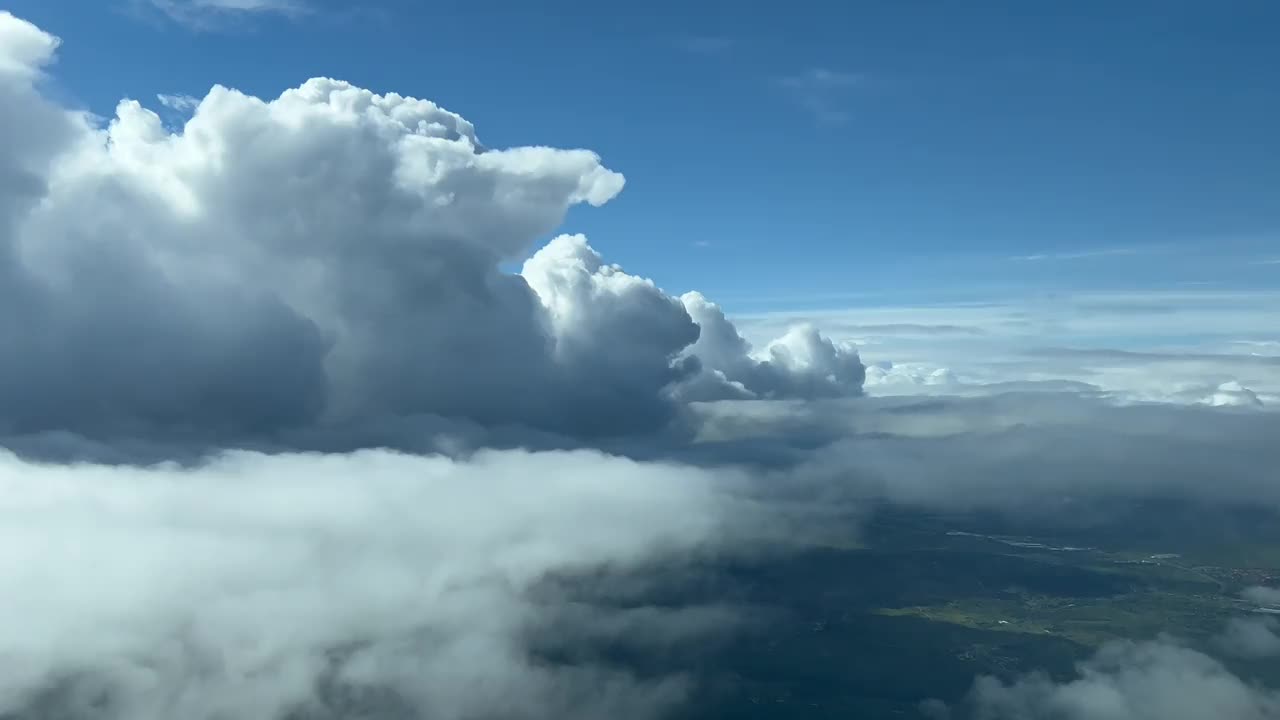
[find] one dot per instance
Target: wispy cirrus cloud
(178, 102)
(211, 14)
(1181, 346)
(1084, 254)
(704, 44)
(822, 92)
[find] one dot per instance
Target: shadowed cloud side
(329, 256)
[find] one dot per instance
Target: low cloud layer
(1264, 596)
(1251, 637)
(258, 586)
(329, 256)
(1017, 450)
(1157, 680)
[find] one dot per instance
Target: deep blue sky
(799, 153)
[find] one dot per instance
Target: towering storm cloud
(332, 255)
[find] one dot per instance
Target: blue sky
(808, 154)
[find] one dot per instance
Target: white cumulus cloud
(332, 255)
(799, 364)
